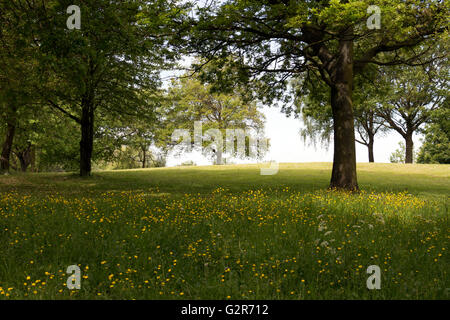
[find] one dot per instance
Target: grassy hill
(419, 179)
(226, 232)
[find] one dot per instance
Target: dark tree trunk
(144, 158)
(7, 144)
(370, 147)
(87, 138)
(33, 159)
(219, 156)
(344, 161)
(25, 158)
(409, 156)
(23, 162)
(371, 157)
(13, 164)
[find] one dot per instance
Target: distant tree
(140, 140)
(368, 125)
(194, 101)
(398, 156)
(415, 94)
(131, 141)
(128, 144)
(313, 102)
(436, 143)
(367, 96)
(188, 163)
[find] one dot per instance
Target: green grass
(226, 233)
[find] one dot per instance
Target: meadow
(226, 232)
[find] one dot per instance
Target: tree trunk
(344, 161)
(7, 144)
(33, 159)
(87, 138)
(144, 158)
(25, 158)
(409, 154)
(370, 147)
(219, 159)
(23, 162)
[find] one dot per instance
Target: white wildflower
(322, 226)
(324, 244)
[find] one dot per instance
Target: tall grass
(137, 235)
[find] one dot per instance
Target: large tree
(105, 65)
(414, 95)
(279, 39)
(17, 77)
(313, 103)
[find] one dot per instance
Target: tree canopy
(193, 101)
(328, 40)
(347, 66)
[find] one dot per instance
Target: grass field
(226, 232)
